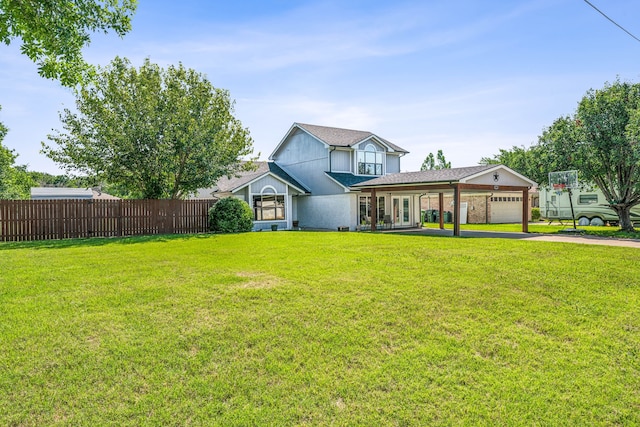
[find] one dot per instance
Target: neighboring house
(48, 193)
(322, 177)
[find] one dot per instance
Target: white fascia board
(377, 140)
(498, 167)
(259, 177)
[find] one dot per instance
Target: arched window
(370, 161)
(268, 206)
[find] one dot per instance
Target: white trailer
(589, 207)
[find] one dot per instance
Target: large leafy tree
(151, 132)
(531, 162)
(602, 141)
(53, 33)
(437, 162)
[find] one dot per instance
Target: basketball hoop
(565, 180)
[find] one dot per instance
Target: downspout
(486, 208)
(420, 209)
(331, 150)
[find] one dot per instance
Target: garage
(506, 209)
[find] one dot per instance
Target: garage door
(505, 209)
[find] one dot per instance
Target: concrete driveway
(584, 239)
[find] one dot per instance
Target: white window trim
(287, 204)
(355, 159)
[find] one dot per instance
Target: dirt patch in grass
(253, 280)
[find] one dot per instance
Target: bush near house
(535, 214)
(230, 215)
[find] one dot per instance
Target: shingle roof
(338, 137)
(228, 185)
(441, 175)
(278, 171)
(348, 179)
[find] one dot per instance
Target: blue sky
(467, 77)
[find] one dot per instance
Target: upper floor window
(369, 161)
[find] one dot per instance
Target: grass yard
(302, 328)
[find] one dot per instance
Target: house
(49, 193)
(321, 177)
(269, 190)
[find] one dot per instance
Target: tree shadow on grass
(100, 241)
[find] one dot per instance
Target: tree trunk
(624, 213)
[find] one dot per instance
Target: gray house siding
(393, 163)
(328, 212)
(341, 161)
(366, 142)
(306, 160)
(243, 194)
(268, 181)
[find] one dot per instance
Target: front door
(402, 211)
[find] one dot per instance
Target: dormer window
(369, 160)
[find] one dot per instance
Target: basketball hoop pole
(573, 215)
(565, 180)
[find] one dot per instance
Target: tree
(430, 163)
(15, 183)
(602, 141)
(154, 133)
(53, 33)
(529, 162)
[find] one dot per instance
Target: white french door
(402, 210)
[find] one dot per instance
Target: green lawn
(302, 328)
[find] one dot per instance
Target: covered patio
(455, 182)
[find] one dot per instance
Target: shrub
(230, 215)
(535, 214)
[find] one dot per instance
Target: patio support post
(374, 209)
(456, 210)
(525, 210)
(441, 208)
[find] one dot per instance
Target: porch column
(441, 209)
(374, 209)
(525, 210)
(456, 210)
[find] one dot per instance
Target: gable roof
(462, 175)
(235, 183)
(338, 137)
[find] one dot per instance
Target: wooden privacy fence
(71, 218)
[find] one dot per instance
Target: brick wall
(478, 207)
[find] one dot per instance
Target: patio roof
(483, 178)
(429, 177)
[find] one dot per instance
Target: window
(365, 209)
(369, 161)
(588, 199)
(268, 207)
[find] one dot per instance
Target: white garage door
(505, 209)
